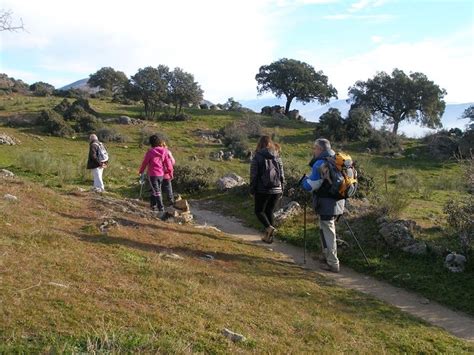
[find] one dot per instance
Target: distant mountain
(81, 85)
(312, 112)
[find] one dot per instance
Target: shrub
(54, 124)
(442, 144)
(110, 135)
(366, 182)
(63, 107)
(87, 123)
(182, 117)
(191, 179)
(77, 107)
(459, 217)
(21, 120)
(331, 126)
(384, 142)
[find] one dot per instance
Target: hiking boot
(269, 233)
(330, 268)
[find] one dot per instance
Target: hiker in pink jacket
(166, 186)
(157, 163)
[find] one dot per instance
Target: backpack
(102, 154)
(271, 176)
(342, 176)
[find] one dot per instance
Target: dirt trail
(457, 323)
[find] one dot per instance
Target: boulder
(5, 139)
(455, 262)
(185, 217)
(418, 248)
(9, 197)
(182, 205)
(125, 120)
(6, 173)
(396, 234)
(228, 156)
(294, 114)
(235, 337)
(291, 209)
(229, 181)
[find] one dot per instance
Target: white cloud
(372, 18)
(446, 61)
(221, 43)
(376, 39)
(365, 4)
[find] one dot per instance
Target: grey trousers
(328, 241)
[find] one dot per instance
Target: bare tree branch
(6, 22)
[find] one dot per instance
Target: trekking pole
(142, 182)
(304, 233)
(353, 235)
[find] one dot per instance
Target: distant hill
(81, 85)
(313, 111)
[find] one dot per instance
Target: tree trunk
(395, 127)
(288, 103)
(175, 108)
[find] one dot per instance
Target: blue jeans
(156, 201)
(168, 190)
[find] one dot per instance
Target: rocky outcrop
(230, 181)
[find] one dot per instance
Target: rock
(293, 208)
(182, 205)
(5, 139)
(171, 256)
(455, 262)
(416, 248)
(107, 224)
(6, 173)
(228, 156)
(398, 234)
(9, 197)
(229, 181)
(368, 150)
(206, 226)
(193, 158)
(207, 257)
(235, 337)
(125, 120)
(294, 114)
(424, 301)
(171, 212)
(184, 217)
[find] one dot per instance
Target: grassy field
(426, 184)
(67, 287)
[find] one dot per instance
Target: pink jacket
(158, 162)
(167, 175)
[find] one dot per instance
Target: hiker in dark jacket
(266, 184)
(328, 208)
(95, 165)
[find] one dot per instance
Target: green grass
(121, 295)
(425, 183)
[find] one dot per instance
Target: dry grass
(67, 287)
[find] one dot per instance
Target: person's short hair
(323, 143)
(93, 137)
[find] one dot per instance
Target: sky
(223, 43)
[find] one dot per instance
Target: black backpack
(271, 176)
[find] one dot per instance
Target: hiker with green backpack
(266, 183)
(332, 180)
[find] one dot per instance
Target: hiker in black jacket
(266, 183)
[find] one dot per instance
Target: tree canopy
(295, 80)
(148, 85)
(183, 89)
(399, 97)
(42, 89)
(109, 79)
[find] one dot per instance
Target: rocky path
(457, 323)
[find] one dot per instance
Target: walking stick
(304, 233)
(353, 235)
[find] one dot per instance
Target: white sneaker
(269, 233)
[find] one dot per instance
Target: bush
(459, 217)
(110, 135)
(331, 126)
(366, 182)
(54, 124)
(77, 107)
(189, 179)
(182, 117)
(384, 142)
(87, 123)
(63, 107)
(21, 120)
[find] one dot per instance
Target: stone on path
(235, 337)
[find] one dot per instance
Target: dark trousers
(156, 201)
(167, 189)
(265, 206)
